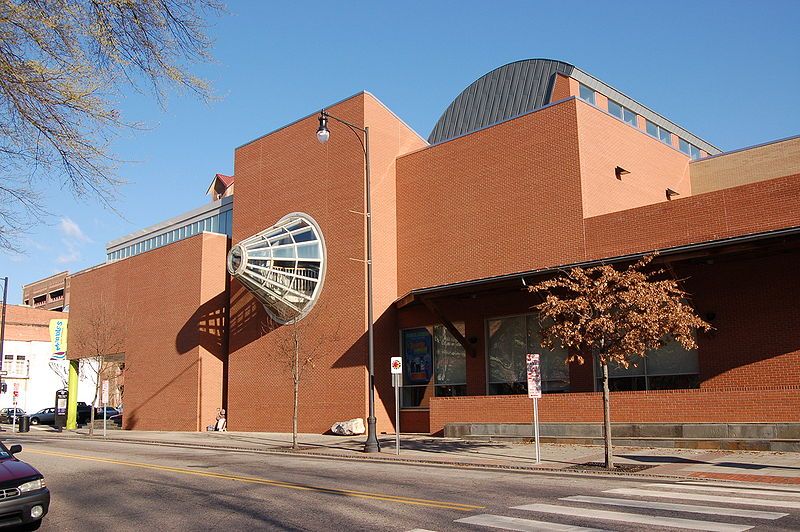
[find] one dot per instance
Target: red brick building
(534, 167)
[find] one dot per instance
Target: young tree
(614, 316)
(63, 64)
(298, 346)
(100, 339)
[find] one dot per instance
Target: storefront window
(434, 364)
(510, 339)
(671, 367)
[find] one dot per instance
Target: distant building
(26, 358)
(50, 293)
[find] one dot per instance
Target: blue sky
(727, 71)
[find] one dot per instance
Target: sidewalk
(748, 466)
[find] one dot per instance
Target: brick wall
(168, 305)
(503, 199)
(286, 171)
(607, 142)
(713, 405)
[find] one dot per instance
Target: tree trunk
(607, 419)
(296, 375)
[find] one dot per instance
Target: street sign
(397, 365)
(105, 393)
(535, 393)
(16, 389)
(534, 376)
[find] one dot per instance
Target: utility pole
(3, 329)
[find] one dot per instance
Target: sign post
(397, 382)
(14, 415)
(105, 402)
(535, 393)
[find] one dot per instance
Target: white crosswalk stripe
(641, 507)
(524, 525)
(690, 508)
(772, 503)
(769, 487)
(675, 522)
(766, 491)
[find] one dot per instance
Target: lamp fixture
(670, 193)
(619, 172)
(323, 134)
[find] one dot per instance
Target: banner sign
(534, 376)
(58, 339)
(418, 355)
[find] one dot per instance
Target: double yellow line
(267, 482)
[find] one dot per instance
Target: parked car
(110, 411)
(84, 413)
(45, 416)
(24, 498)
(7, 414)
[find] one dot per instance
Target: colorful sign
(396, 365)
(418, 355)
(58, 339)
(534, 376)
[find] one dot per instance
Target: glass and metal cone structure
(283, 266)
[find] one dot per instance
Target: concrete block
(704, 430)
(787, 431)
(759, 431)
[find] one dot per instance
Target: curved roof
(523, 86)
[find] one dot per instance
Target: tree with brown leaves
(614, 316)
(63, 64)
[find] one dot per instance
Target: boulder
(350, 427)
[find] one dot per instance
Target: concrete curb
(382, 459)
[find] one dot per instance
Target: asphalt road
(99, 485)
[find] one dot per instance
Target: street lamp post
(323, 134)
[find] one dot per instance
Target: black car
(24, 498)
(7, 414)
(45, 416)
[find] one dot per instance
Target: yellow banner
(58, 339)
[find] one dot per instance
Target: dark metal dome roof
(524, 86)
(511, 90)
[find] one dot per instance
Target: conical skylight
(283, 266)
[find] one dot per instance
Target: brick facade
(168, 306)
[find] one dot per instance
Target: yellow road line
(268, 482)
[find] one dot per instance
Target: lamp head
(323, 134)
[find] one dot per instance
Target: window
(587, 94)
(510, 339)
(434, 364)
(689, 149)
(659, 133)
(15, 365)
(671, 367)
(621, 112)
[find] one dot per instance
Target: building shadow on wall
(206, 328)
(386, 343)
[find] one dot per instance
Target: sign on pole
(105, 402)
(396, 366)
(535, 392)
